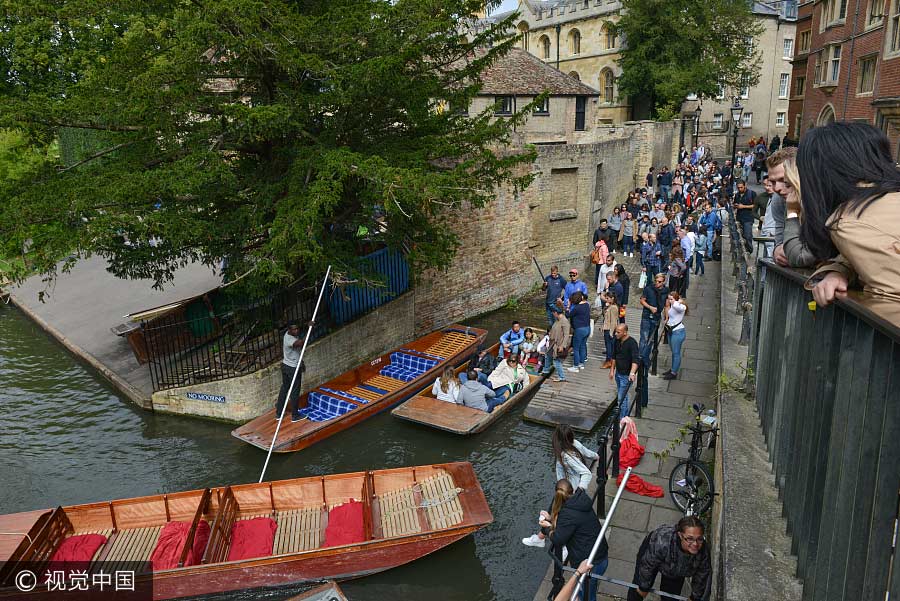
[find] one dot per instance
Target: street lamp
(736, 111)
(697, 112)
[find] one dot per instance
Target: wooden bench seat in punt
(399, 513)
(298, 530)
(441, 500)
(449, 344)
(385, 383)
(129, 546)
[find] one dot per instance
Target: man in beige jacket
(559, 344)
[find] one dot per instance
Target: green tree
(268, 134)
(674, 48)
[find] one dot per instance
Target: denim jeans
(627, 244)
(648, 331)
(622, 386)
(747, 232)
(557, 365)
(514, 349)
(589, 589)
(463, 378)
(698, 264)
(579, 345)
(676, 339)
(610, 341)
(664, 191)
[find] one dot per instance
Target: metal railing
(744, 272)
(828, 393)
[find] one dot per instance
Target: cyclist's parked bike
(690, 483)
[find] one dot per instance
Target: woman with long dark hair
(851, 210)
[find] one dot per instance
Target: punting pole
(287, 399)
(538, 267)
(630, 585)
(612, 510)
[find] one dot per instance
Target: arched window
(575, 75)
(608, 85)
(545, 47)
(608, 35)
(826, 116)
(523, 32)
(574, 42)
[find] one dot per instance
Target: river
(68, 437)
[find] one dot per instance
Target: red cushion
(78, 548)
(171, 541)
(345, 525)
(252, 538)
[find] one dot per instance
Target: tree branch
(97, 155)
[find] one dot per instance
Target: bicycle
(691, 485)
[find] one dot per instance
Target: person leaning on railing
(851, 210)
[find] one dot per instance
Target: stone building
(765, 104)
(847, 66)
(574, 37)
(517, 78)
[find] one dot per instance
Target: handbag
(642, 282)
(561, 354)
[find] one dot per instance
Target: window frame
(892, 30)
(780, 116)
(804, 40)
(800, 86)
(608, 86)
(784, 85)
(545, 43)
(870, 59)
(787, 48)
(543, 110)
(500, 102)
(873, 19)
(718, 120)
(747, 120)
(574, 39)
(744, 91)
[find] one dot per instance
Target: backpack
(599, 254)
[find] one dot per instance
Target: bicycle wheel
(691, 487)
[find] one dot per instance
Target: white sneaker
(581, 368)
(533, 541)
(572, 369)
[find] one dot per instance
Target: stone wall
(243, 398)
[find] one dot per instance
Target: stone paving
(669, 409)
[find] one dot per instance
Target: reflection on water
(67, 438)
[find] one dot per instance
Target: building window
(747, 120)
(788, 48)
(543, 108)
(523, 32)
(800, 85)
(745, 86)
(876, 12)
(574, 42)
(720, 95)
(828, 65)
(608, 33)
(784, 84)
(691, 96)
(504, 105)
(718, 120)
(780, 119)
(833, 12)
(545, 47)
(866, 82)
(789, 9)
(804, 40)
(608, 83)
(893, 33)
(751, 46)
(575, 75)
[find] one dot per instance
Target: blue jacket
(648, 254)
(571, 288)
(512, 338)
(711, 221)
(666, 235)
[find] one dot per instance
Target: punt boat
(364, 391)
(425, 409)
(252, 536)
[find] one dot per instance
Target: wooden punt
(406, 513)
(369, 389)
(424, 409)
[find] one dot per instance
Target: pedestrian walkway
(669, 409)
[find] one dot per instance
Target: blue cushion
(346, 395)
(412, 363)
(399, 373)
(321, 407)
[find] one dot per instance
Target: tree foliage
(677, 47)
(265, 134)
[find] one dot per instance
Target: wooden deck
(583, 399)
